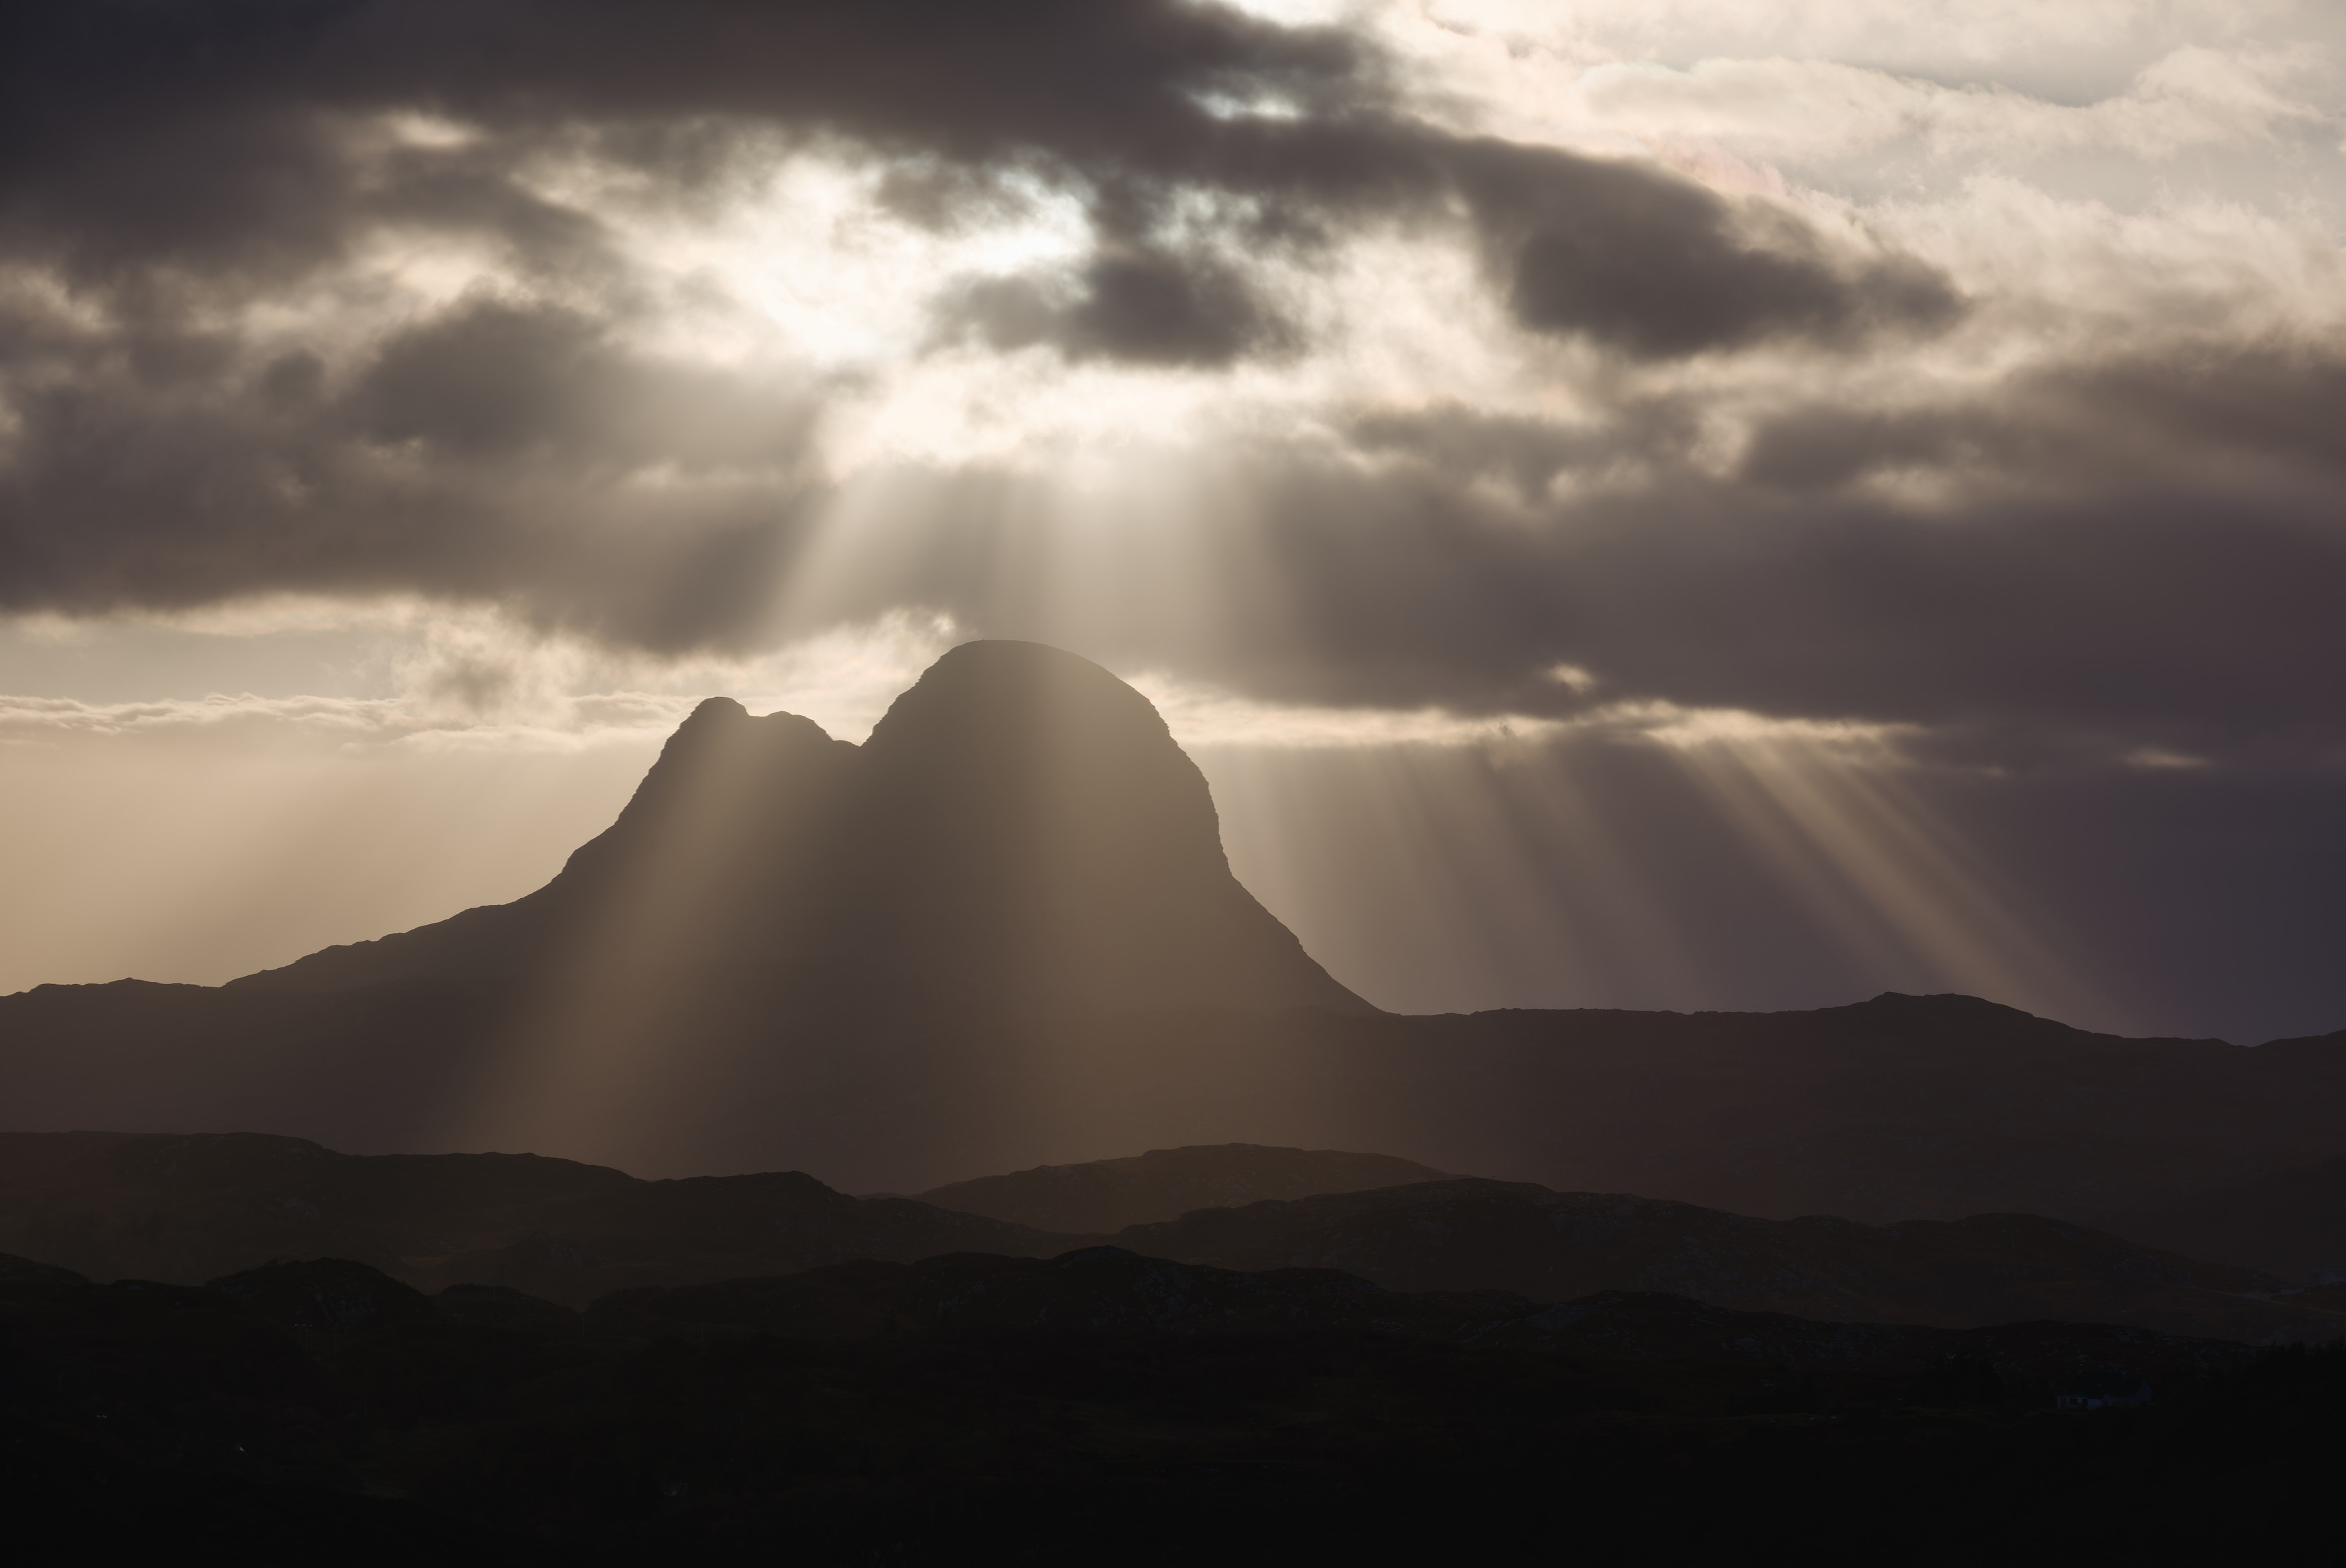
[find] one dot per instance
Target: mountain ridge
(185, 1210)
(1003, 933)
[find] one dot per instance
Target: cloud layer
(1386, 357)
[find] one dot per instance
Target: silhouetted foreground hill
(1112, 1290)
(1101, 1405)
(1105, 1196)
(1473, 1235)
(1003, 933)
(184, 1210)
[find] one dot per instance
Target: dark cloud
(207, 135)
(2140, 550)
(489, 381)
(475, 457)
(1662, 268)
(497, 380)
(2193, 412)
(945, 197)
(1138, 307)
(2066, 571)
(228, 135)
(176, 162)
(1464, 444)
(2071, 572)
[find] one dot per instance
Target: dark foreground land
(1105, 1407)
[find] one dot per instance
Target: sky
(1678, 504)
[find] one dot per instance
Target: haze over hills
(1001, 934)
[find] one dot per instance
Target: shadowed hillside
(1106, 1196)
(1474, 1234)
(186, 1209)
(2290, 1222)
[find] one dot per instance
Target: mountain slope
(1901, 1107)
(187, 1209)
(1898, 1107)
(1105, 1196)
(2290, 1222)
(1474, 1234)
(731, 802)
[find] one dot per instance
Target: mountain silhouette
(1002, 934)
(1019, 835)
(788, 950)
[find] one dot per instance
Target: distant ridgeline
(1003, 933)
(186, 1209)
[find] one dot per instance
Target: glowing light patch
(1571, 676)
(1299, 13)
(257, 616)
(480, 683)
(811, 266)
(35, 720)
(1688, 728)
(1203, 718)
(1256, 106)
(435, 133)
(2157, 759)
